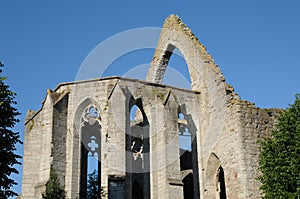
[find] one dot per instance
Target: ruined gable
(134, 129)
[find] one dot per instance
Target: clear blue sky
(255, 43)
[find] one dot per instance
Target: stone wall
(230, 128)
(60, 115)
(225, 132)
(113, 97)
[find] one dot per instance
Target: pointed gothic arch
(205, 77)
(215, 183)
(137, 151)
(87, 141)
(188, 156)
(175, 34)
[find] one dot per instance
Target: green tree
(280, 157)
(53, 188)
(93, 186)
(8, 139)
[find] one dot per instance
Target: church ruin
(133, 129)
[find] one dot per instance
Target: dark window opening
(90, 170)
(137, 192)
(116, 187)
(137, 152)
(221, 183)
(188, 187)
(188, 153)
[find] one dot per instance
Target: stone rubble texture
(225, 129)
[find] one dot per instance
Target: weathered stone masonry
(140, 157)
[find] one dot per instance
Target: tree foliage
(53, 188)
(280, 157)
(8, 138)
(93, 186)
(93, 190)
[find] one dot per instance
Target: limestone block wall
(37, 149)
(161, 109)
(31, 158)
(58, 150)
(229, 128)
(55, 130)
(53, 139)
(237, 149)
(256, 124)
(225, 132)
(82, 95)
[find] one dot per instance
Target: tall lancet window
(90, 176)
(188, 154)
(137, 153)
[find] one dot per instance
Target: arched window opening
(136, 116)
(184, 134)
(221, 183)
(90, 170)
(188, 153)
(137, 153)
(185, 137)
(177, 73)
(137, 136)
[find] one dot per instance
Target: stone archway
(86, 142)
(215, 184)
(205, 77)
